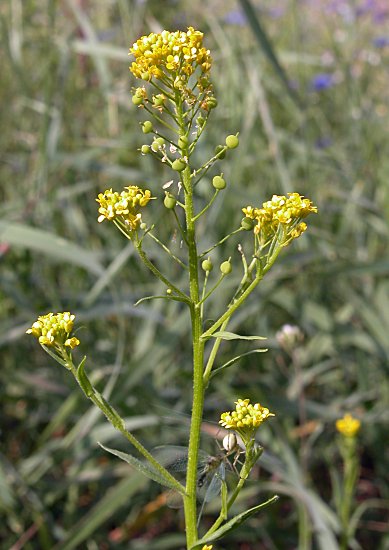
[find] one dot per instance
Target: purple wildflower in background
(276, 12)
(377, 9)
(381, 41)
(322, 81)
(236, 17)
(323, 142)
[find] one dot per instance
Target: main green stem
(190, 506)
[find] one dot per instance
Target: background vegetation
(311, 105)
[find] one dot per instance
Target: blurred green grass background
(305, 84)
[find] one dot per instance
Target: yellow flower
(246, 418)
(123, 207)
(170, 54)
(54, 330)
(207, 547)
(281, 212)
(348, 425)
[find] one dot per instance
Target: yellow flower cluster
(246, 418)
(280, 210)
(123, 207)
(207, 547)
(170, 53)
(54, 330)
(348, 425)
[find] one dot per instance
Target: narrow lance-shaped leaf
(236, 359)
(142, 467)
(233, 523)
(225, 335)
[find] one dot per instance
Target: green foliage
(70, 131)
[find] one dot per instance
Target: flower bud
(218, 149)
(183, 142)
(143, 226)
(204, 82)
(200, 121)
(207, 265)
(219, 182)
(211, 103)
(158, 100)
(247, 223)
(147, 127)
(226, 267)
(289, 337)
(179, 165)
(145, 149)
(169, 201)
(137, 100)
(232, 141)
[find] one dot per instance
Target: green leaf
(235, 359)
(224, 335)
(161, 297)
(234, 523)
(83, 380)
(143, 467)
(25, 236)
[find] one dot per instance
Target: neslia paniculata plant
(177, 95)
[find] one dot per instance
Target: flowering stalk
(175, 66)
(55, 334)
(348, 428)
(245, 421)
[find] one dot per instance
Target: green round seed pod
(247, 223)
(143, 226)
(145, 75)
(200, 121)
(232, 141)
(218, 149)
(145, 149)
(157, 144)
(226, 267)
(207, 265)
(219, 182)
(183, 142)
(169, 201)
(179, 165)
(137, 100)
(147, 127)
